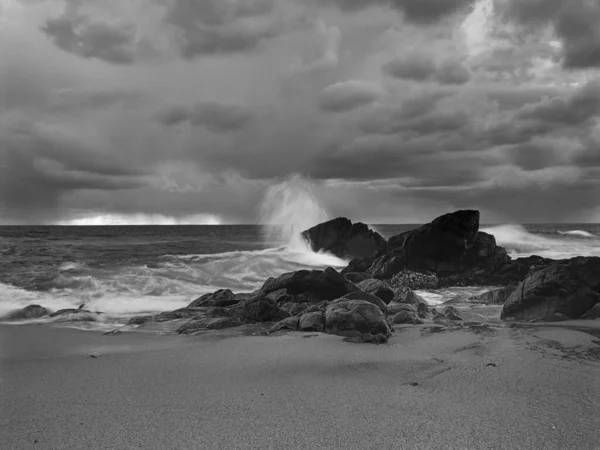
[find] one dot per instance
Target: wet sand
(532, 387)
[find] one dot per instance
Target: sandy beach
(534, 387)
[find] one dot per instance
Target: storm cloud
(397, 110)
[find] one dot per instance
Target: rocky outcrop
(29, 312)
(220, 298)
(357, 319)
(450, 244)
(307, 286)
(378, 288)
(259, 310)
(570, 288)
(414, 280)
(344, 239)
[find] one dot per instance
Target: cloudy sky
(179, 111)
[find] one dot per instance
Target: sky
(397, 111)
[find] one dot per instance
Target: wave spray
(288, 208)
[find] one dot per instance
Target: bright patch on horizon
(142, 219)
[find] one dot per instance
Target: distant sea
(130, 270)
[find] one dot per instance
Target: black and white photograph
(300, 224)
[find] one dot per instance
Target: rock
(593, 313)
(76, 315)
(378, 288)
(181, 313)
(260, 310)
(221, 298)
(407, 317)
(309, 285)
(495, 296)
(139, 320)
(422, 310)
(344, 239)
(556, 317)
(359, 265)
(570, 287)
(313, 321)
(287, 324)
(356, 277)
(364, 296)
(294, 308)
(407, 295)
(395, 308)
(208, 323)
(452, 313)
(29, 312)
(357, 319)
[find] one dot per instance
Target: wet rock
(76, 315)
(220, 298)
(309, 285)
(364, 296)
(139, 320)
(452, 313)
(356, 277)
(407, 317)
(357, 319)
(570, 287)
(378, 288)
(344, 239)
(395, 308)
(407, 295)
(29, 312)
(260, 310)
(312, 321)
(287, 324)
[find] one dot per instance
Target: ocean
(132, 270)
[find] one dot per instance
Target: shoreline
(500, 387)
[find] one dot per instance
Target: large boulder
(312, 321)
(29, 312)
(287, 324)
(307, 286)
(344, 239)
(378, 288)
(259, 310)
(450, 244)
(570, 287)
(357, 319)
(365, 296)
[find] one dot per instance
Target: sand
(534, 387)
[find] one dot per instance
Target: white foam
(580, 233)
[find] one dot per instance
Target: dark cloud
(422, 67)
(83, 99)
(213, 116)
(79, 35)
(217, 27)
(420, 12)
(348, 95)
(574, 22)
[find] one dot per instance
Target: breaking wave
(559, 245)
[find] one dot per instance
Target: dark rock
(378, 288)
(355, 277)
(495, 296)
(344, 239)
(182, 313)
(407, 317)
(76, 315)
(318, 307)
(287, 324)
(452, 313)
(294, 308)
(220, 298)
(593, 313)
(422, 310)
(556, 317)
(314, 285)
(359, 265)
(29, 312)
(407, 295)
(395, 308)
(260, 310)
(357, 319)
(312, 321)
(570, 287)
(208, 323)
(139, 320)
(365, 296)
